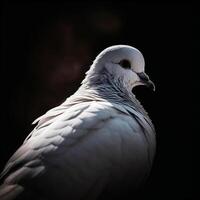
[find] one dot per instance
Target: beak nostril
(143, 76)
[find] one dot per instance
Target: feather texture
(99, 137)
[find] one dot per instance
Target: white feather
(100, 136)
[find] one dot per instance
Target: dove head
(124, 66)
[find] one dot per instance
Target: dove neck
(109, 90)
(106, 86)
(103, 86)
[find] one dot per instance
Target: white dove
(99, 139)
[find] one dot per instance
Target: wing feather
(63, 145)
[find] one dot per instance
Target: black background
(38, 37)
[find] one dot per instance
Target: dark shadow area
(47, 48)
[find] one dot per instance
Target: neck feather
(103, 85)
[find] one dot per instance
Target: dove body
(100, 139)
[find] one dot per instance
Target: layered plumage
(100, 138)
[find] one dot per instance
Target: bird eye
(125, 64)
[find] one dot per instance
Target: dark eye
(125, 64)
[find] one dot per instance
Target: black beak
(146, 81)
